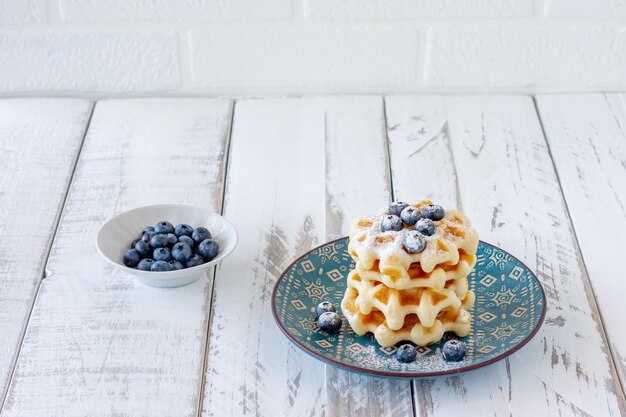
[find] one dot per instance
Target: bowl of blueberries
(166, 245)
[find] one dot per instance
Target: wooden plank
(300, 169)
(587, 138)
(357, 183)
(508, 187)
(99, 343)
(39, 142)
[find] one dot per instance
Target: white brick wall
(303, 58)
(239, 47)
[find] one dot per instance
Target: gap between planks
(205, 359)
(593, 300)
(44, 271)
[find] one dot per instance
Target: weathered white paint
(299, 170)
(587, 138)
(98, 343)
(39, 143)
(508, 187)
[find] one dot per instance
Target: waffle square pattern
(399, 295)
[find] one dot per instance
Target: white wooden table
(543, 177)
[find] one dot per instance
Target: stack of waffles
(402, 296)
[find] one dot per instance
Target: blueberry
(145, 264)
(413, 241)
(132, 245)
(131, 258)
(406, 353)
(391, 222)
(176, 265)
(329, 322)
(164, 227)
(208, 249)
(195, 260)
(159, 241)
(161, 266)
(426, 227)
(148, 229)
(324, 307)
(183, 230)
(143, 247)
(171, 239)
(181, 252)
(162, 254)
(410, 215)
(187, 240)
(396, 207)
(200, 234)
(433, 212)
(148, 235)
(454, 350)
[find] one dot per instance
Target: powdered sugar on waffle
(453, 232)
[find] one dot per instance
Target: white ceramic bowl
(116, 235)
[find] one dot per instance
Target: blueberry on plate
(426, 227)
(162, 254)
(176, 265)
(208, 248)
(132, 245)
(195, 260)
(159, 241)
(148, 229)
(131, 258)
(143, 247)
(433, 212)
(171, 239)
(329, 322)
(324, 307)
(160, 266)
(187, 240)
(410, 215)
(391, 222)
(413, 241)
(164, 227)
(406, 353)
(183, 230)
(454, 350)
(181, 252)
(200, 234)
(145, 264)
(396, 207)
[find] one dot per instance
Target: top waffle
(454, 238)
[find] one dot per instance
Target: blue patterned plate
(510, 307)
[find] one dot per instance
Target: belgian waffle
(454, 237)
(450, 320)
(397, 304)
(415, 276)
(397, 294)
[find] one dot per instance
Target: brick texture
(416, 9)
(303, 57)
(522, 56)
(79, 11)
(22, 12)
(88, 62)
